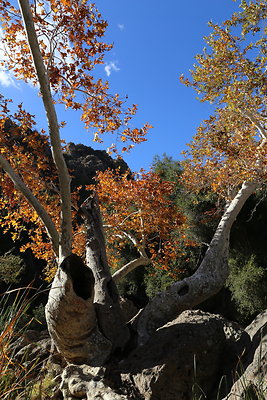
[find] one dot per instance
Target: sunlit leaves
(231, 73)
(70, 35)
(140, 212)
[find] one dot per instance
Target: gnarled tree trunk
(106, 300)
(84, 316)
(83, 313)
(204, 283)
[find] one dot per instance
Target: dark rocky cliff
(83, 163)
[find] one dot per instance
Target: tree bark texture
(205, 282)
(106, 300)
(129, 267)
(71, 317)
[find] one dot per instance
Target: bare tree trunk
(205, 282)
(71, 317)
(109, 316)
(63, 174)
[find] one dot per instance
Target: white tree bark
(106, 300)
(34, 202)
(63, 175)
(129, 267)
(205, 282)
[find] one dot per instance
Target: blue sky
(154, 43)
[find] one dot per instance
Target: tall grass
(16, 376)
(250, 390)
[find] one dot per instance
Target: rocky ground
(196, 353)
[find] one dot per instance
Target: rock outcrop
(183, 360)
(84, 162)
(186, 357)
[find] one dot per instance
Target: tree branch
(205, 282)
(130, 266)
(64, 179)
(256, 122)
(34, 202)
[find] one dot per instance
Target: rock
(84, 162)
(184, 356)
(85, 382)
(252, 383)
(37, 352)
(182, 360)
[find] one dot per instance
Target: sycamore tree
(228, 153)
(138, 212)
(56, 45)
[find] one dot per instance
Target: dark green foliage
(34, 319)
(167, 168)
(133, 287)
(247, 283)
(249, 234)
(156, 281)
(11, 267)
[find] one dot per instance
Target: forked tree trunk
(106, 299)
(204, 283)
(83, 313)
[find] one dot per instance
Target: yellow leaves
(224, 152)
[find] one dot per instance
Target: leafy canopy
(141, 212)
(70, 38)
(230, 147)
(70, 35)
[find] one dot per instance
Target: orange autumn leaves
(220, 158)
(141, 213)
(138, 211)
(29, 154)
(70, 35)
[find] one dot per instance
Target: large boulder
(185, 358)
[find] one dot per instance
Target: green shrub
(156, 281)
(247, 283)
(11, 267)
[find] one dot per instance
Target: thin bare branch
(256, 122)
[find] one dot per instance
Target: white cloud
(7, 79)
(110, 67)
(121, 27)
